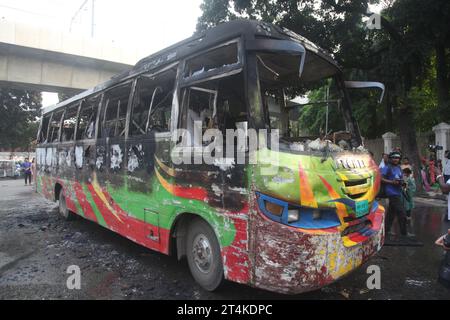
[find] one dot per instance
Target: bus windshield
(306, 110)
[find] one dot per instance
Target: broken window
(153, 103)
(69, 123)
(214, 60)
(303, 109)
(217, 104)
(54, 127)
(231, 105)
(200, 103)
(88, 118)
(116, 102)
(44, 129)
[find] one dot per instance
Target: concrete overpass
(54, 61)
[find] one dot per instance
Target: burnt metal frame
(100, 95)
(148, 74)
(218, 72)
(293, 47)
(247, 30)
(258, 116)
(105, 102)
(248, 37)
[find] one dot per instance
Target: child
(409, 190)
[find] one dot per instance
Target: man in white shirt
(445, 188)
(384, 160)
(446, 166)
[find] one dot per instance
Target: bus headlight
(316, 215)
(293, 215)
(297, 216)
(274, 208)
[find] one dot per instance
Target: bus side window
(88, 117)
(69, 123)
(44, 129)
(153, 103)
(199, 105)
(54, 127)
(116, 102)
(231, 106)
(217, 104)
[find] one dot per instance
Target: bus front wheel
(203, 255)
(63, 211)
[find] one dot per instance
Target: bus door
(212, 112)
(148, 147)
(212, 96)
(198, 114)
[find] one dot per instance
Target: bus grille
(355, 189)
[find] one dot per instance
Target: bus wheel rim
(202, 253)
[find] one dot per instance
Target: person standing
(406, 164)
(444, 185)
(432, 169)
(384, 160)
(26, 167)
(409, 190)
(392, 178)
(446, 166)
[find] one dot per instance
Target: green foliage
(19, 110)
(313, 116)
(401, 54)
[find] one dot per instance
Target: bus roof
(247, 29)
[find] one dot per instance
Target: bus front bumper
(291, 262)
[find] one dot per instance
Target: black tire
(65, 213)
(205, 261)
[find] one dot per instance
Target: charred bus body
(312, 218)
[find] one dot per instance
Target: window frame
(217, 72)
(50, 115)
(104, 108)
(99, 105)
(58, 139)
(176, 65)
(76, 104)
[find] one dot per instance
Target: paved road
(36, 247)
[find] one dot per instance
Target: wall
(423, 141)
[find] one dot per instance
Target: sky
(148, 24)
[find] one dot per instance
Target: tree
(19, 112)
(416, 30)
(413, 39)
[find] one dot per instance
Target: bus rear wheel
(203, 255)
(65, 213)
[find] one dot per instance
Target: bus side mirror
(366, 84)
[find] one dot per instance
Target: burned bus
(291, 225)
